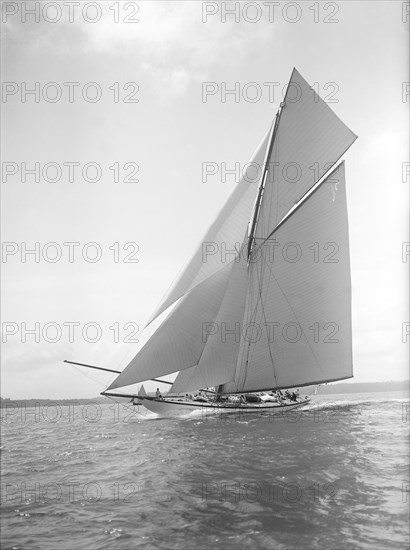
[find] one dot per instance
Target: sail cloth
(218, 361)
(225, 233)
(293, 311)
(309, 139)
(297, 325)
(189, 380)
(178, 342)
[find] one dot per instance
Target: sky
(126, 175)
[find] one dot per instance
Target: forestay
(218, 361)
(178, 342)
(226, 231)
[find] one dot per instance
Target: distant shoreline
(364, 387)
(359, 387)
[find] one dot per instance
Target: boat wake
(313, 407)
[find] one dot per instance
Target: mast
(258, 203)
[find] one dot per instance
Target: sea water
(87, 476)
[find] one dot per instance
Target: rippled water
(334, 476)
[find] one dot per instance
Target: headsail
(189, 380)
(223, 336)
(226, 232)
(178, 342)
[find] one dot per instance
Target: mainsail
(297, 327)
(279, 317)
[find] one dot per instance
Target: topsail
(278, 314)
(309, 141)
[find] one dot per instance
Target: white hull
(172, 407)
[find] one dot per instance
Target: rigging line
(277, 188)
(125, 405)
(251, 318)
(258, 202)
(276, 145)
(84, 373)
(274, 202)
(269, 348)
(317, 183)
(198, 370)
(259, 213)
(262, 185)
(130, 353)
(167, 317)
(222, 300)
(293, 311)
(247, 315)
(306, 196)
(260, 276)
(255, 265)
(126, 359)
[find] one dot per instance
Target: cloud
(167, 82)
(170, 43)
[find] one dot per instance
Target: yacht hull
(174, 407)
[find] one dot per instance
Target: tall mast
(254, 221)
(258, 203)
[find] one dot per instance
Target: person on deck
(158, 394)
(200, 397)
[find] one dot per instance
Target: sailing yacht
(273, 313)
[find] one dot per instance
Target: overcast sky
(358, 57)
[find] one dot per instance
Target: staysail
(226, 233)
(178, 342)
(282, 317)
(218, 361)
